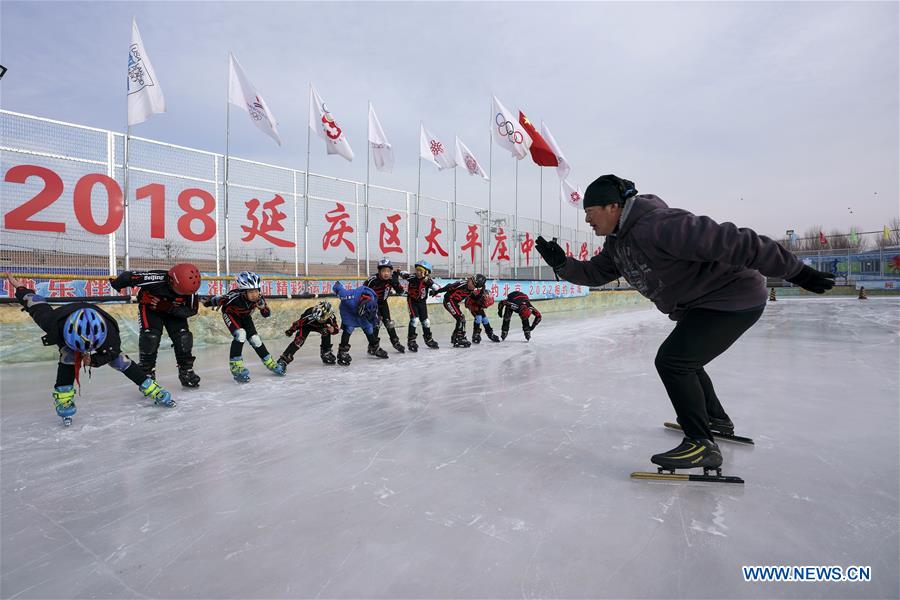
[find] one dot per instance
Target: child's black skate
(149, 370)
(377, 352)
(489, 331)
(476, 335)
(328, 357)
(188, 378)
(461, 342)
(690, 454)
(398, 346)
(721, 426)
(412, 345)
(343, 357)
(429, 339)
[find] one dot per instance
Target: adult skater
(706, 276)
(86, 335)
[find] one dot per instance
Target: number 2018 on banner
(22, 216)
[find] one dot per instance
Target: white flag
(322, 122)
(508, 132)
(564, 168)
(145, 97)
(465, 158)
(382, 152)
(571, 193)
(434, 151)
(242, 94)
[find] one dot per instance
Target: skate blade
(719, 436)
(646, 475)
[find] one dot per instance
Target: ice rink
(498, 471)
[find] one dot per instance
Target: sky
(773, 116)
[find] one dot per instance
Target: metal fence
(70, 208)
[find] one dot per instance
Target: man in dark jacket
(708, 277)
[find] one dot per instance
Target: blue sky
(769, 115)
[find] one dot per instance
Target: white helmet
(247, 280)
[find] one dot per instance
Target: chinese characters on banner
(527, 246)
(500, 249)
(471, 241)
(389, 239)
(334, 237)
(271, 221)
(432, 238)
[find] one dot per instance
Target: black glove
(813, 280)
(551, 252)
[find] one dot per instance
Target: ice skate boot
(161, 396)
(395, 342)
(188, 378)
(412, 345)
(476, 335)
(377, 351)
(64, 402)
(273, 365)
(429, 340)
(343, 356)
(240, 373)
(149, 369)
(327, 356)
(690, 454)
(721, 426)
(489, 331)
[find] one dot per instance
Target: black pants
(152, 324)
(288, 355)
(700, 336)
(384, 311)
(243, 329)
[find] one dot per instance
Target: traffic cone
(862, 294)
(772, 297)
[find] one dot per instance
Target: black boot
(395, 341)
(690, 454)
(187, 376)
(489, 331)
(328, 356)
(343, 357)
(429, 340)
(721, 426)
(412, 345)
(476, 334)
(375, 348)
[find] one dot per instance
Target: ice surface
(499, 471)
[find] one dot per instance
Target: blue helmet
(424, 264)
(84, 330)
(247, 280)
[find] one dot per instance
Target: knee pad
(389, 324)
(478, 319)
(426, 323)
(148, 341)
(120, 362)
(255, 341)
(184, 341)
(240, 335)
(414, 322)
(485, 321)
(66, 356)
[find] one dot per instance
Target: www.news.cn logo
(774, 573)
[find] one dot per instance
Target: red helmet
(525, 311)
(184, 278)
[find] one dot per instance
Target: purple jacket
(681, 261)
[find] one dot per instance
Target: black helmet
(479, 280)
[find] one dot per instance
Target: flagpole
(541, 209)
(453, 230)
(368, 160)
(227, 148)
(306, 198)
(516, 226)
(418, 195)
(125, 199)
(485, 250)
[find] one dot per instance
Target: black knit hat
(608, 189)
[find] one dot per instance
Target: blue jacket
(350, 306)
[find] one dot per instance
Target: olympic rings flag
(242, 94)
(508, 132)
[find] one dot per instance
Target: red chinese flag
(540, 149)
(822, 239)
